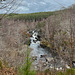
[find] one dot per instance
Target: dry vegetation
(4, 70)
(57, 29)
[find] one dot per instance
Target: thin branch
(11, 8)
(17, 6)
(4, 6)
(8, 10)
(60, 4)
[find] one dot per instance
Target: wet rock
(40, 64)
(51, 66)
(43, 46)
(39, 37)
(48, 59)
(68, 67)
(43, 56)
(59, 68)
(73, 64)
(42, 60)
(34, 41)
(45, 64)
(34, 58)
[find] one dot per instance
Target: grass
(48, 72)
(29, 17)
(25, 69)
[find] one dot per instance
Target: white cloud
(31, 6)
(44, 3)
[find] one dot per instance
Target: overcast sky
(31, 6)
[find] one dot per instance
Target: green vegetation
(53, 72)
(1, 64)
(68, 72)
(30, 17)
(46, 43)
(40, 24)
(25, 68)
(0, 24)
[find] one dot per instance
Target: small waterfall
(35, 45)
(39, 52)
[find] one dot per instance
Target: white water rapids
(35, 45)
(38, 51)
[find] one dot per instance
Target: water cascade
(44, 59)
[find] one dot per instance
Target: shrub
(68, 72)
(25, 68)
(40, 24)
(1, 64)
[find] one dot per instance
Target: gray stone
(45, 64)
(34, 57)
(42, 56)
(48, 59)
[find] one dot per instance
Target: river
(45, 59)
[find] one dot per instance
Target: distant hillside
(34, 16)
(30, 17)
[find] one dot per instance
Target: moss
(60, 73)
(46, 43)
(69, 71)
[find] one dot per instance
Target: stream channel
(44, 58)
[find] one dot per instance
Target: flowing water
(38, 51)
(35, 45)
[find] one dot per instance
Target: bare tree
(9, 6)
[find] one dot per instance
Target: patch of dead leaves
(7, 70)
